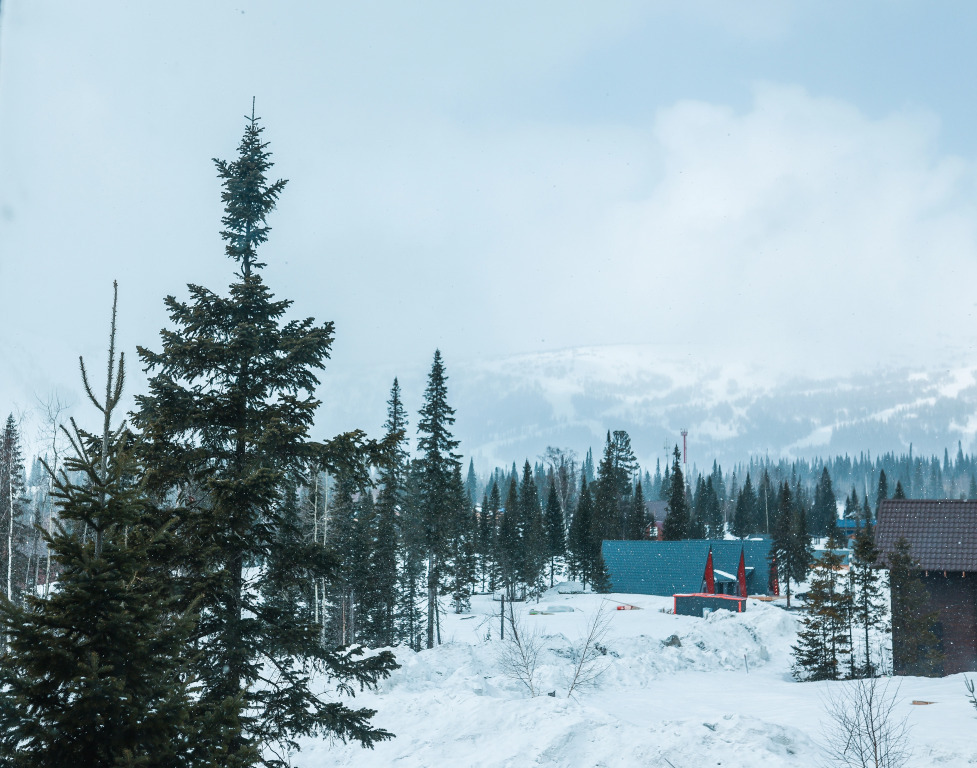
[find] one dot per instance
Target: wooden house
(942, 536)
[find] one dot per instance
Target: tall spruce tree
(613, 489)
(678, 518)
(508, 543)
(579, 540)
(412, 600)
(868, 603)
(790, 547)
(744, 516)
(15, 513)
(387, 545)
(883, 490)
(825, 512)
(438, 498)
(553, 525)
(532, 547)
(464, 564)
(637, 519)
(822, 640)
(712, 511)
(226, 420)
(96, 675)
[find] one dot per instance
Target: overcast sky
(785, 182)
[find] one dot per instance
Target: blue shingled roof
(675, 567)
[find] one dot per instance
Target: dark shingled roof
(942, 535)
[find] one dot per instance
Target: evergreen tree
(345, 535)
(95, 674)
(868, 603)
(438, 466)
(712, 514)
(899, 493)
(492, 522)
(471, 484)
(509, 543)
(532, 540)
(637, 522)
(825, 511)
(883, 490)
(822, 638)
(412, 600)
(852, 508)
(225, 422)
(677, 519)
(790, 546)
(697, 526)
(915, 646)
(744, 517)
(579, 543)
(553, 524)
(612, 495)
(563, 470)
(387, 583)
(463, 564)
(15, 514)
(766, 498)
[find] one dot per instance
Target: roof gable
(942, 535)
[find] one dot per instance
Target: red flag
(741, 574)
(710, 576)
(774, 581)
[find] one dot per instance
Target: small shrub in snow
(863, 730)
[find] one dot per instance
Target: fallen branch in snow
(591, 656)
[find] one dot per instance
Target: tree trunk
(432, 599)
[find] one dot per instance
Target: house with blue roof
(678, 567)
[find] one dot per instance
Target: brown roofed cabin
(942, 536)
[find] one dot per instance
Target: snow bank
(721, 694)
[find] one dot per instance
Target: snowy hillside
(724, 696)
(511, 408)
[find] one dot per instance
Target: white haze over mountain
(510, 409)
(737, 192)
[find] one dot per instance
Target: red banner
(710, 576)
(741, 574)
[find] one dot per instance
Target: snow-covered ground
(724, 697)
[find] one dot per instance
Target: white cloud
(426, 208)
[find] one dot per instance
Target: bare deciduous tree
(519, 653)
(53, 408)
(591, 656)
(863, 728)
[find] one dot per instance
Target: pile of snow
(676, 691)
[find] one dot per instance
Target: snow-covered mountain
(512, 408)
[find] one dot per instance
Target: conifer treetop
(247, 197)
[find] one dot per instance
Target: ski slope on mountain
(510, 408)
(723, 696)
